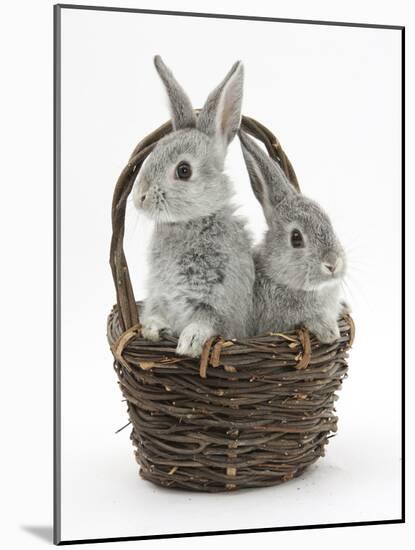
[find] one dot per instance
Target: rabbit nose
(142, 199)
(330, 267)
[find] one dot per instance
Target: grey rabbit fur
(300, 263)
(201, 270)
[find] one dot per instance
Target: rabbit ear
(268, 181)
(221, 114)
(180, 107)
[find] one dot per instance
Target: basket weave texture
(247, 413)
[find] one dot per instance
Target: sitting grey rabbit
(201, 270)
(300, 263)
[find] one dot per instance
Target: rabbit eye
(297, 240)
(183, 171)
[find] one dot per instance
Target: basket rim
(297, 346)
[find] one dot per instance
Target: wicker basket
(247, 413)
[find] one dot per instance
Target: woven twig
(248, 413)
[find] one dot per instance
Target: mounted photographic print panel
(228, 248)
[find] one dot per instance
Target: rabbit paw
(326, 332)
(152, 328)
(192, 339)
(345, 308)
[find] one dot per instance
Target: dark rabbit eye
(183, 171)
(296, 239)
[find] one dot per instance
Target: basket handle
(126, 304)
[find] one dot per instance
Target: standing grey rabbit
(201, 271)
(300, 263)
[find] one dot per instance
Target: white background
(29, 411)
(332, 94)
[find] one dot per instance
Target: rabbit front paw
(152, 328)
(345, 308)
(326, 332)
(192, 339)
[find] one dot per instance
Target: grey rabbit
(201, 270)
(300, 263)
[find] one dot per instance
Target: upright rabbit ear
(269, 183)
(221, 114)
(180, 107)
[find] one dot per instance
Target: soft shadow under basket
(247, 413)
